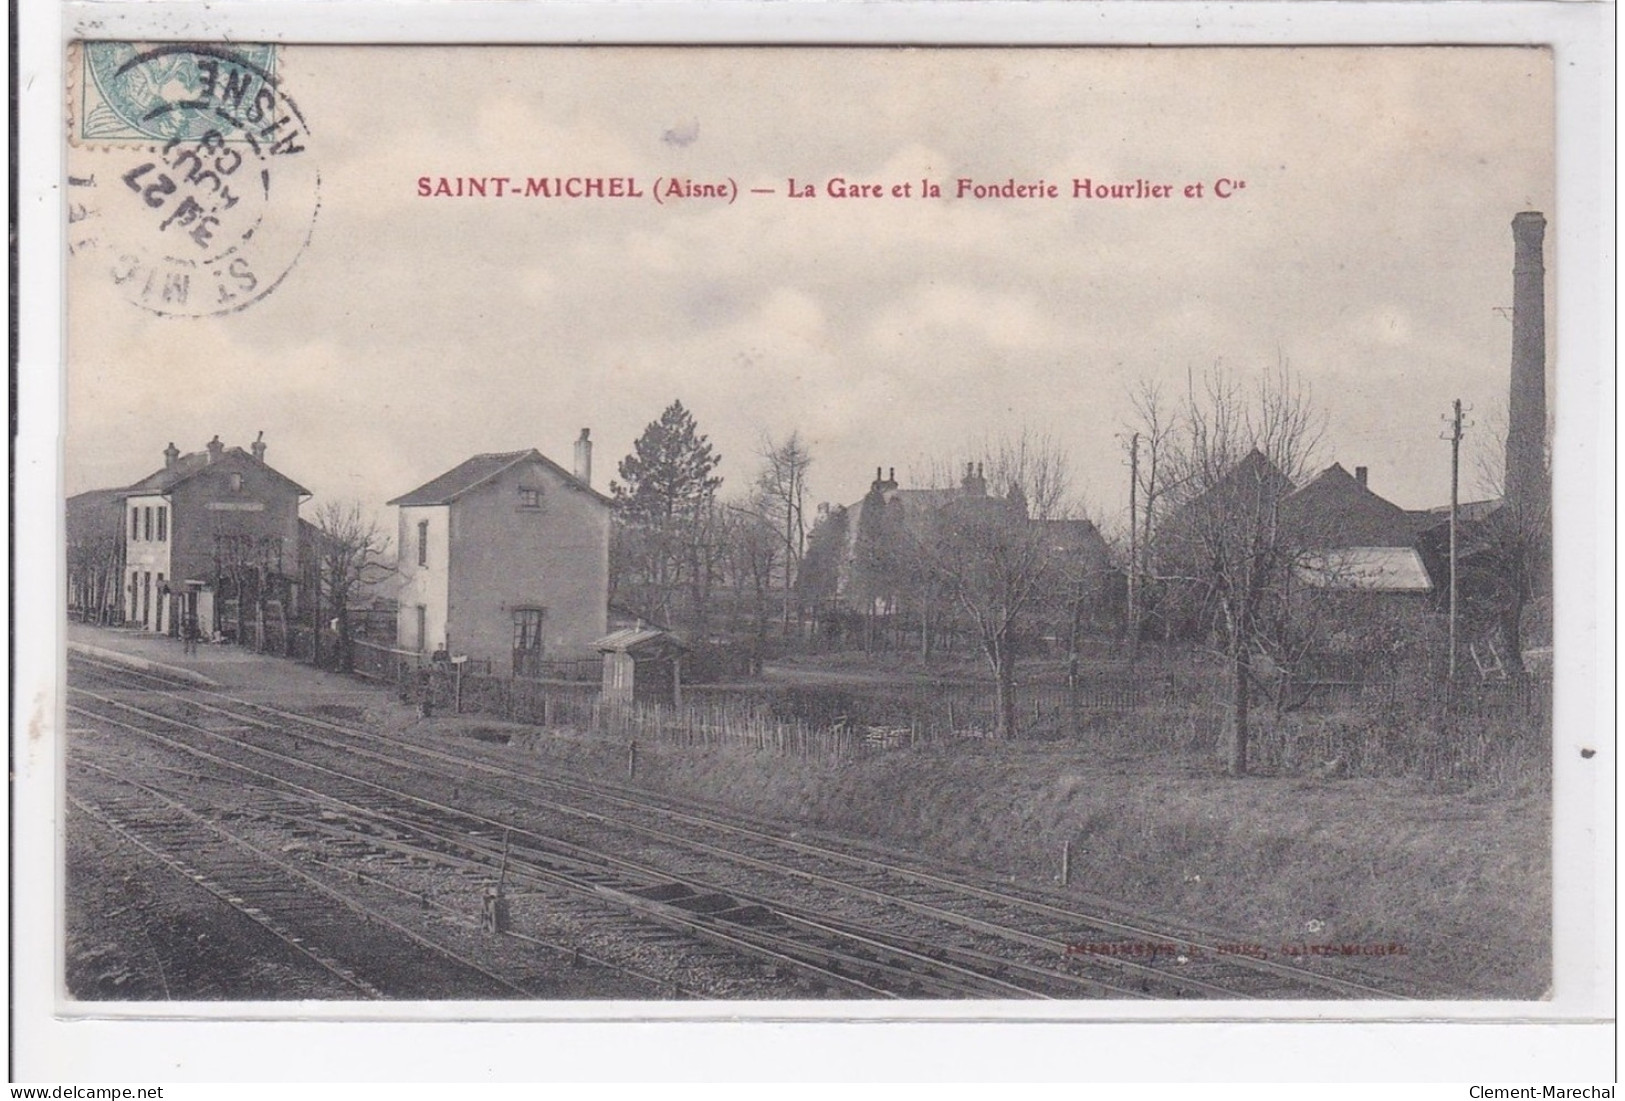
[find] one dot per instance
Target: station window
(527, 629)
(423, 542)
(163, 523)
(146, 523)
(135, 523)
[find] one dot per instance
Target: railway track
(297, 908)
(384, 821)
(1058, 949)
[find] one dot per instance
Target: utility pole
(1133, 539)
(1455, 483)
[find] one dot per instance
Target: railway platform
(219, 665)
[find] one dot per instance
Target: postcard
(659, 532)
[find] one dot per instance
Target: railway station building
(504, 559)
(203, 538)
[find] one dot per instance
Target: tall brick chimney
(584, 457)
(1526, 480)
(171, 453)
(215, 449)
(258, 448)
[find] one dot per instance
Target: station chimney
(1526, 479)
(584, 457)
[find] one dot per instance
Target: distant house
(1362, 543)
(1350, 556)
(858, 559)
(1377, 571)
(95, 555)
(505, 558)
(1343, 507)
(206, 536)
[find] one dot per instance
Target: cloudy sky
(1370, 248)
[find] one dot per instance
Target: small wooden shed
(642, 665)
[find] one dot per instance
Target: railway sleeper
(709, 904)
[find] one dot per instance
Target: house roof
(1253, 468)
(1253, 481)
(638, 640)
(1077, 539)
(189, 466)
(1078, 534)
(472, 473)
(1333, 508)
(1252, 471)
(1465, 510)
(1367, 569)
(94, 499)
(93, 514)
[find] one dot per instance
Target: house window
(135, 523)
(163, 523)
(146, 523)
(530, 498)
(423, 542)
(423, 628)
(236, 483)
(527, 629)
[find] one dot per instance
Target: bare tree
(782, 501)
(1507, 554)
(752, 546)
(95, 554)
(1237, 456)
(985, 545)
(351, 551)
(1152, 437)
(245, 565)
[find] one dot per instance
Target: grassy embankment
(1457, 875)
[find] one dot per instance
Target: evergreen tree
(665, 558)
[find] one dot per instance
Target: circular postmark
(203, 186)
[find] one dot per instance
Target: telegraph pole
(1133, 538)
(1455, 483)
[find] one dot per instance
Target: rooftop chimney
(171, 453)
(258, 448)
(584, 457)
(1360, 474)
(215, 448)
(1526, 410)
(975, 484)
